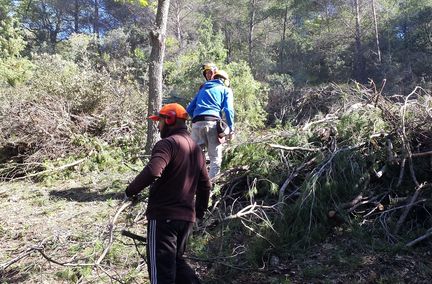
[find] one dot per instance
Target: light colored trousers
(204, 133)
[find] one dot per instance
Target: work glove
(133, 199)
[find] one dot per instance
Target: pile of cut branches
(360, 160)
(33, 131)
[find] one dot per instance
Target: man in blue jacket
(206, 109)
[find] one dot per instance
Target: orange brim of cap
(154, 117)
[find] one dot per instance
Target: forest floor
(71, 220)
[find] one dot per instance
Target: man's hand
(133, 199)
(230, 136)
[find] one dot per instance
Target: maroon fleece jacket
(176, 173)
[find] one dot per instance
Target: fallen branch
(243, 212)
(277, 146)
(292, 176)
(352, 202)
(24, 254)
(401, 172)
(425, 236)
(390, 154)
(354, 207)
(111, 227)
(41, 251)
(250, 209)
(222, 260)
(329, 117)
(421, 154)
(70, 264)
(412, 172)
(408, 208)
(257, 233)
(52, 170)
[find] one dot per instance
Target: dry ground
(72, 218)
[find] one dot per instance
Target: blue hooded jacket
(211, 99)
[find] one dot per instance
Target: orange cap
(167, 109)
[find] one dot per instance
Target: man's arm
(228, 106)
(158, 161)
(202, 193)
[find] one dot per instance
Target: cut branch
(24, 254)
(52, 170)
(111, 227)
(425, 236)
(292, 176)
(428, 153)
(276, 146)
(408, 208)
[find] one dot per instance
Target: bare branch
(24, 254)
(425, 236)
(408, 208)
(282, 147)
(111, 227)
(52, 170)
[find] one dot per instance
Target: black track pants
(166, 243)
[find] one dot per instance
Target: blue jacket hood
(212, 83)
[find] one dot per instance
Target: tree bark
(157, 41)
(283, 41)
(359, 64)
(252, 13)
(76, 16)
(96, 18)
(55, 31)
(228, 44)
(177, 5)
(376, 31)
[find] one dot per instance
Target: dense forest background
(333, 112)
(94, 56)
(296, 43)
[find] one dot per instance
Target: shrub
(183, 74)
(249, 97)
(63, 100)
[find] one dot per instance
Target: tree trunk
(177, 5)
(228, 44)
(376, 31)
(76, 16)
(283, 42)
(157, 41)
(96, 18)
(252, 13)
(54, 33)
(359, 64)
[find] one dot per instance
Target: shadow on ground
(13, 276)
(85, 194)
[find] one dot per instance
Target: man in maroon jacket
(179, 193)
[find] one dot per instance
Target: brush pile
(34, 131)
(341, 157)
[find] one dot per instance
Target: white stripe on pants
(152, 251)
